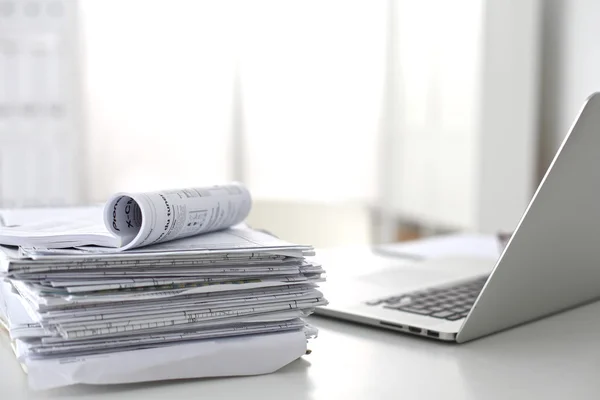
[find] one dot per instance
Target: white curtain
(410, 105)
(157, 80)
(312, 75)
(161, 80)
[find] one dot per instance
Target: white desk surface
(555, 358)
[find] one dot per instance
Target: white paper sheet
(18, 320)
(28, 350)
(279, 316)
(84, 277)
(126, 261)
(33, 215)
(463, 244)
(105, 315)
(206, 358)
(234, 243)
(175, 321)
(174, 259)
(131, 219)
(97, 281)
(58, 233)
(200, 298)
(36, 299)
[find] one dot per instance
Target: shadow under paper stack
(187, 292)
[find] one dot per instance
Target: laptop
(550, 263)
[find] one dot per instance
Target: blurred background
(352, 122)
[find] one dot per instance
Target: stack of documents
(167, 270)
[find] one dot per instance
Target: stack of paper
(70, 298)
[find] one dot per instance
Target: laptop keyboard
(450, 303)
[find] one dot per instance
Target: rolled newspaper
(141, 219)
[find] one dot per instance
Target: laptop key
(442, 314)
(392, 300)
(413, 310)
(459, 310)
(447, 306)
(398, 300)
(454, 317)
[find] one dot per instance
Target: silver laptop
(551, 262)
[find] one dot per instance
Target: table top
(557, 357)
